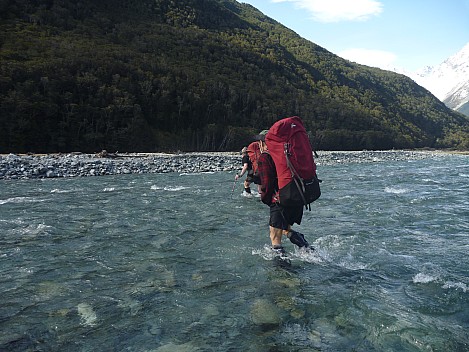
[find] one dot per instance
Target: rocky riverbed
(16, 167)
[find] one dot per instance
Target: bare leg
(276, 236)
(247, 185)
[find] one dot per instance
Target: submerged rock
(171, 347)
(87, 314)
(265, 313)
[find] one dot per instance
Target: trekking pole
(232, 190)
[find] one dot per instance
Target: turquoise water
(175, 262)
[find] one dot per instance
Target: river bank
(17, 167)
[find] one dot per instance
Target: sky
(404, 35)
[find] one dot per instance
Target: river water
(179, 262)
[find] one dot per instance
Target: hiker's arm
(243, 170)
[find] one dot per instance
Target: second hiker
(247, 168)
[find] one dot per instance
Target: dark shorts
(282, 217)
(256, 179)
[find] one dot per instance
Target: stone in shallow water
(265, 313)
(171, 347)
(87, 314)
(47, 290)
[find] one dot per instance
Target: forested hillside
(192, 75)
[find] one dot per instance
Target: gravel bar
(21, 167)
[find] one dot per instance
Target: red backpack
(254, 153)
(288, 144)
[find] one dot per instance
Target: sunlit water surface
(177, 262)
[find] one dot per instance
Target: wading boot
(279, 250)
(298, 239)
(247, 192)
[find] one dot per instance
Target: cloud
(339, 10)
(375, 58)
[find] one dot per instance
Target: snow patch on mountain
(448, 81)
(458, 96)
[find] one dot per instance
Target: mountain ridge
(449, 81)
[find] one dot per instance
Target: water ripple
(164, 262)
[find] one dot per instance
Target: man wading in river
(281, 218)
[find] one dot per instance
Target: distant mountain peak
(424, 71)
(449, 81)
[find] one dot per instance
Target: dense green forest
(193, 75)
